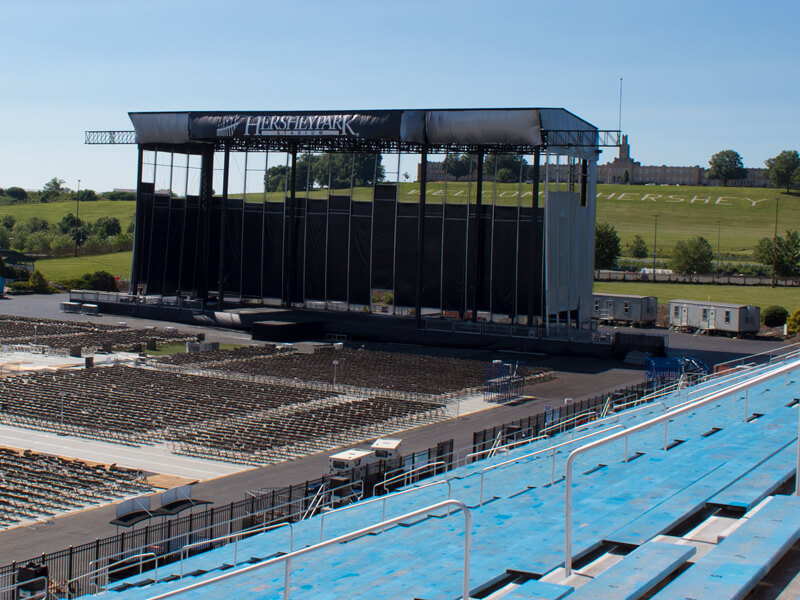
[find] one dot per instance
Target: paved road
(576, 377)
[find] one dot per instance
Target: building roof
(523, 128)
(711, 303)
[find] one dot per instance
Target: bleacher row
(698, 512)
(34, 486)
(206, 416)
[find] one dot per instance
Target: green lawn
(116, 263)
(89, 211)
(180, 348)
(762, 296)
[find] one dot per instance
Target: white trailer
(721, 317)
(625, 308)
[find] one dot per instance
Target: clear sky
(699, 76)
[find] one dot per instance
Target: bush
(17, 193)
(38, 283)
(793, 322)
(102, 281)
(774, 316)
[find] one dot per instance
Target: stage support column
(534, 239)
(478, 272)
(136, 262)
(204, 224)
(290, 262)
(423, 182)
(222, 231)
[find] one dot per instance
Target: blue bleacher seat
(739, 562)
(637, 573)
(533, 589)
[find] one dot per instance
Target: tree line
(696, 256)
(783, 170)
(55, 191)
(36, 235)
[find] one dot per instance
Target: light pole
(335, 363)
(719, 258)
(775, 241)
(655, 242)
(77, 212)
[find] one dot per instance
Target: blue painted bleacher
(522, 528)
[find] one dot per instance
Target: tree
(8, 221)
(38, 283)
(693, 256)
(108, 226)
(102, 281)
(509, 164)
(69, 223)
(5, 238)
(726, 165)
(784, 169)
(86, 196)
(638, 248)
(338, 168)
(606, 246)
(34, 224)
(457, 165)
(784, 251)
(54, 185)
(17, 193)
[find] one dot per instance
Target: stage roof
(507, 129)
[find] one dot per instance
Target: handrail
(109, 568)
(790, 349)
(405, 474)
(713, 397)
(621, 414)
(553, 448)
(287, 558)
(377, 499)
(505, 447)
(312, 506)
(563, 422)
(236, 541)
(15, 586)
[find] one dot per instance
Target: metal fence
(166, 539)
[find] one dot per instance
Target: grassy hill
(89, 211)
(741, 216)
(117, 263)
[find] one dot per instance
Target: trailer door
(712, 318)
(684, 315)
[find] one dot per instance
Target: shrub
(793, 322)
(774, 316)
(17, 193)
(102, 281)
(38, 283)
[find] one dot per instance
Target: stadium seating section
(35, 486)
(699, 512)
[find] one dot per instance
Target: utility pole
(77, 221)
(719, 227)
(655, 241)
(775, 241)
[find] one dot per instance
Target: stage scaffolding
(519, 253)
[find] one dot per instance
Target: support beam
(534, 239)
(223, 218)
(478, 253)
(423, 181)
(138, 228)
(291, 254)
(204, 224)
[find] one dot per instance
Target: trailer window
(339, 464)
(626, 307)
(727, 317)
(705, 314)
(597, 304)
(677, 311)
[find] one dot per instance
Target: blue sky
(698, 76)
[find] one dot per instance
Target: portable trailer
(709, 316)
(625, 308)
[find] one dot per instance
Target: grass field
(761, 296)
(741, 216)
(89, 211)
(116, 263)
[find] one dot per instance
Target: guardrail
(378, 527)
(382, 499)
(666, 417)
(36, 595)
(405, 474)
(236, 537)
(108, 569)
(538, 452)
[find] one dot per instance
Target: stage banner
(366, 125)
